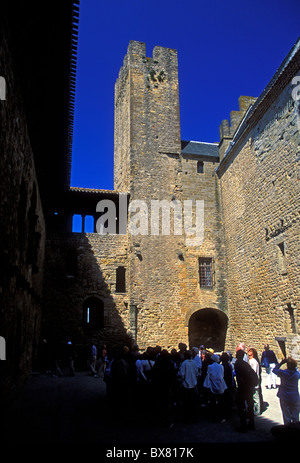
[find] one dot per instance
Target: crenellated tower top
(147, 120)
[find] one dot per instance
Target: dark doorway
(208, 327)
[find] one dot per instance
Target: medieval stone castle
(238, 282)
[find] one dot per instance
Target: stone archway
(208, 327)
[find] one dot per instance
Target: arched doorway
(208, 327)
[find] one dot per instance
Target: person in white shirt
(189, 373)
(197, 358)
(215, 384)
(252, 356)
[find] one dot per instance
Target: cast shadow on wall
(81, 304)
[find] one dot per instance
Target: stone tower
(156, 169)
(147, 124)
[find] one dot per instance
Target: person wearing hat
(215, 383)
(210, 351)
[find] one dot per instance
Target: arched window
(93, 314)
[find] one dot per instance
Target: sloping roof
(289, 66)
(198, 148)
(84, 200)
(83, 190)
(295, 50)
(44, 42)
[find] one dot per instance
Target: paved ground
(74, 410)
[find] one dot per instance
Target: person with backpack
(247, 380)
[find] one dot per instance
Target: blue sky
(225, 49)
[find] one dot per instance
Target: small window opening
(77, 223)
(281, 255)
(89, 224)
(71, 263)
(290, 309)
(205, 273)
(120, 280)
(93, 314)
(200, 167)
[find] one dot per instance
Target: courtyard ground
(74, 410)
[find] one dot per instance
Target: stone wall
(81, 266)
(260, 199)
(204, 186)
(164, 277)
(251, 226)
(22, 232)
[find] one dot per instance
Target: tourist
(139, 369)
(242, 346)
(201, 351)
(124, 379)
(288, 392)
(93, 360)
(229, 393)
(268, 361)
(215, 385)
(175, 359)
(102, 360)
(206, 360)
(189, 373)
(70, 354)
(147, 364)
(197, 358)
(254, 364)
(163, 381)
(246, 381)
(182, 350)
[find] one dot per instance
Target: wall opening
(93, 314)
(281, 255)
(290, 309)
(82, 223)
(200, 167)
(206, 272)
(77, 223)
(121, 280)
(71, 262)
(208, 327)
(89, 224)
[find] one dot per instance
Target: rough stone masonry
(242, 282)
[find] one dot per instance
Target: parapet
(159, 53)
(136, 48)
(226, 129)
(164, 62)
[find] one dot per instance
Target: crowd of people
(187, 382)
(190, 381)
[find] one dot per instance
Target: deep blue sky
(225, 49)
